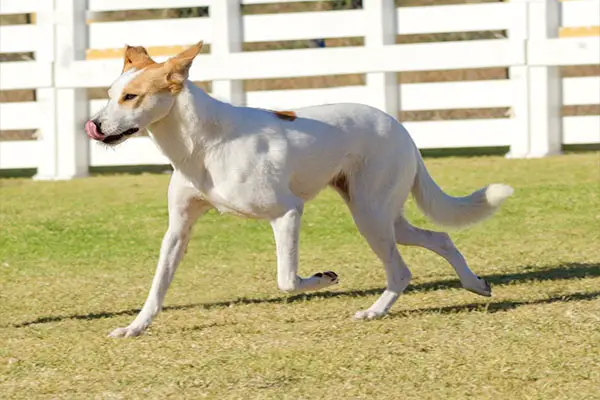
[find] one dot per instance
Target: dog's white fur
(252, 163)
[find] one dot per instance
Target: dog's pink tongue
(92, 131)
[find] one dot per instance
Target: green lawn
(77, 259)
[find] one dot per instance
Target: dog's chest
(246, 200)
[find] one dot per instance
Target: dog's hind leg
(184, 210)
(375, 224)
(440, 243)
(286, 230)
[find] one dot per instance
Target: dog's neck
(194, 123)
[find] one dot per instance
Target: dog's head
(142, 95)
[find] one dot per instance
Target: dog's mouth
(93, 131)
(115, 138)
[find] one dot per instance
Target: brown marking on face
(341, 185)
(155, 77)
(152, 80)
(286, 115)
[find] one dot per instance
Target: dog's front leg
(286, 229)
(183, 212)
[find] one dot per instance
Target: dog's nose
(98, 126)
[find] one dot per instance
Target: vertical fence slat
(519, 79)
(46, 97)
(226, 20)
(545, 102)
(380, 23)
(71, 104)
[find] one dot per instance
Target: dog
(257, 163)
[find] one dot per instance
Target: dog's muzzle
(93, 130)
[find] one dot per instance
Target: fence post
(537, 109)
(46, 97)
(519, 80)
(72, 108)
(226, 19)
(381, 29)
(545, 85)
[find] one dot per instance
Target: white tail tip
(496, 193)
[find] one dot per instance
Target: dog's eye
(129, 96)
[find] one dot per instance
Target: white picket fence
(535, 92)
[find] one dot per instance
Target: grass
(77, 258)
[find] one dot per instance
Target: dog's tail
(456, 211)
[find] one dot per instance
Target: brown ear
(136, 57)
(179, 66)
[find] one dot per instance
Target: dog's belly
(307, 190)
(308, 182)
(239, 211)
(245, 199)
(249, 195)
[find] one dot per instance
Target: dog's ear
(136, 57)
(178, 67)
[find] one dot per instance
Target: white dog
(264, 164)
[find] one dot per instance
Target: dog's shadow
(560, 272)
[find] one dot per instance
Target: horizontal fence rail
(69, 48)
(316, 62)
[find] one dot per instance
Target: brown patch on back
(286, 115)
(341, 185)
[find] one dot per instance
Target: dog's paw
(327, 278)
(368, 315)
(480, 287)
(126, 332)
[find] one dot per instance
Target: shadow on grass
(561, 272)
(497, 306)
